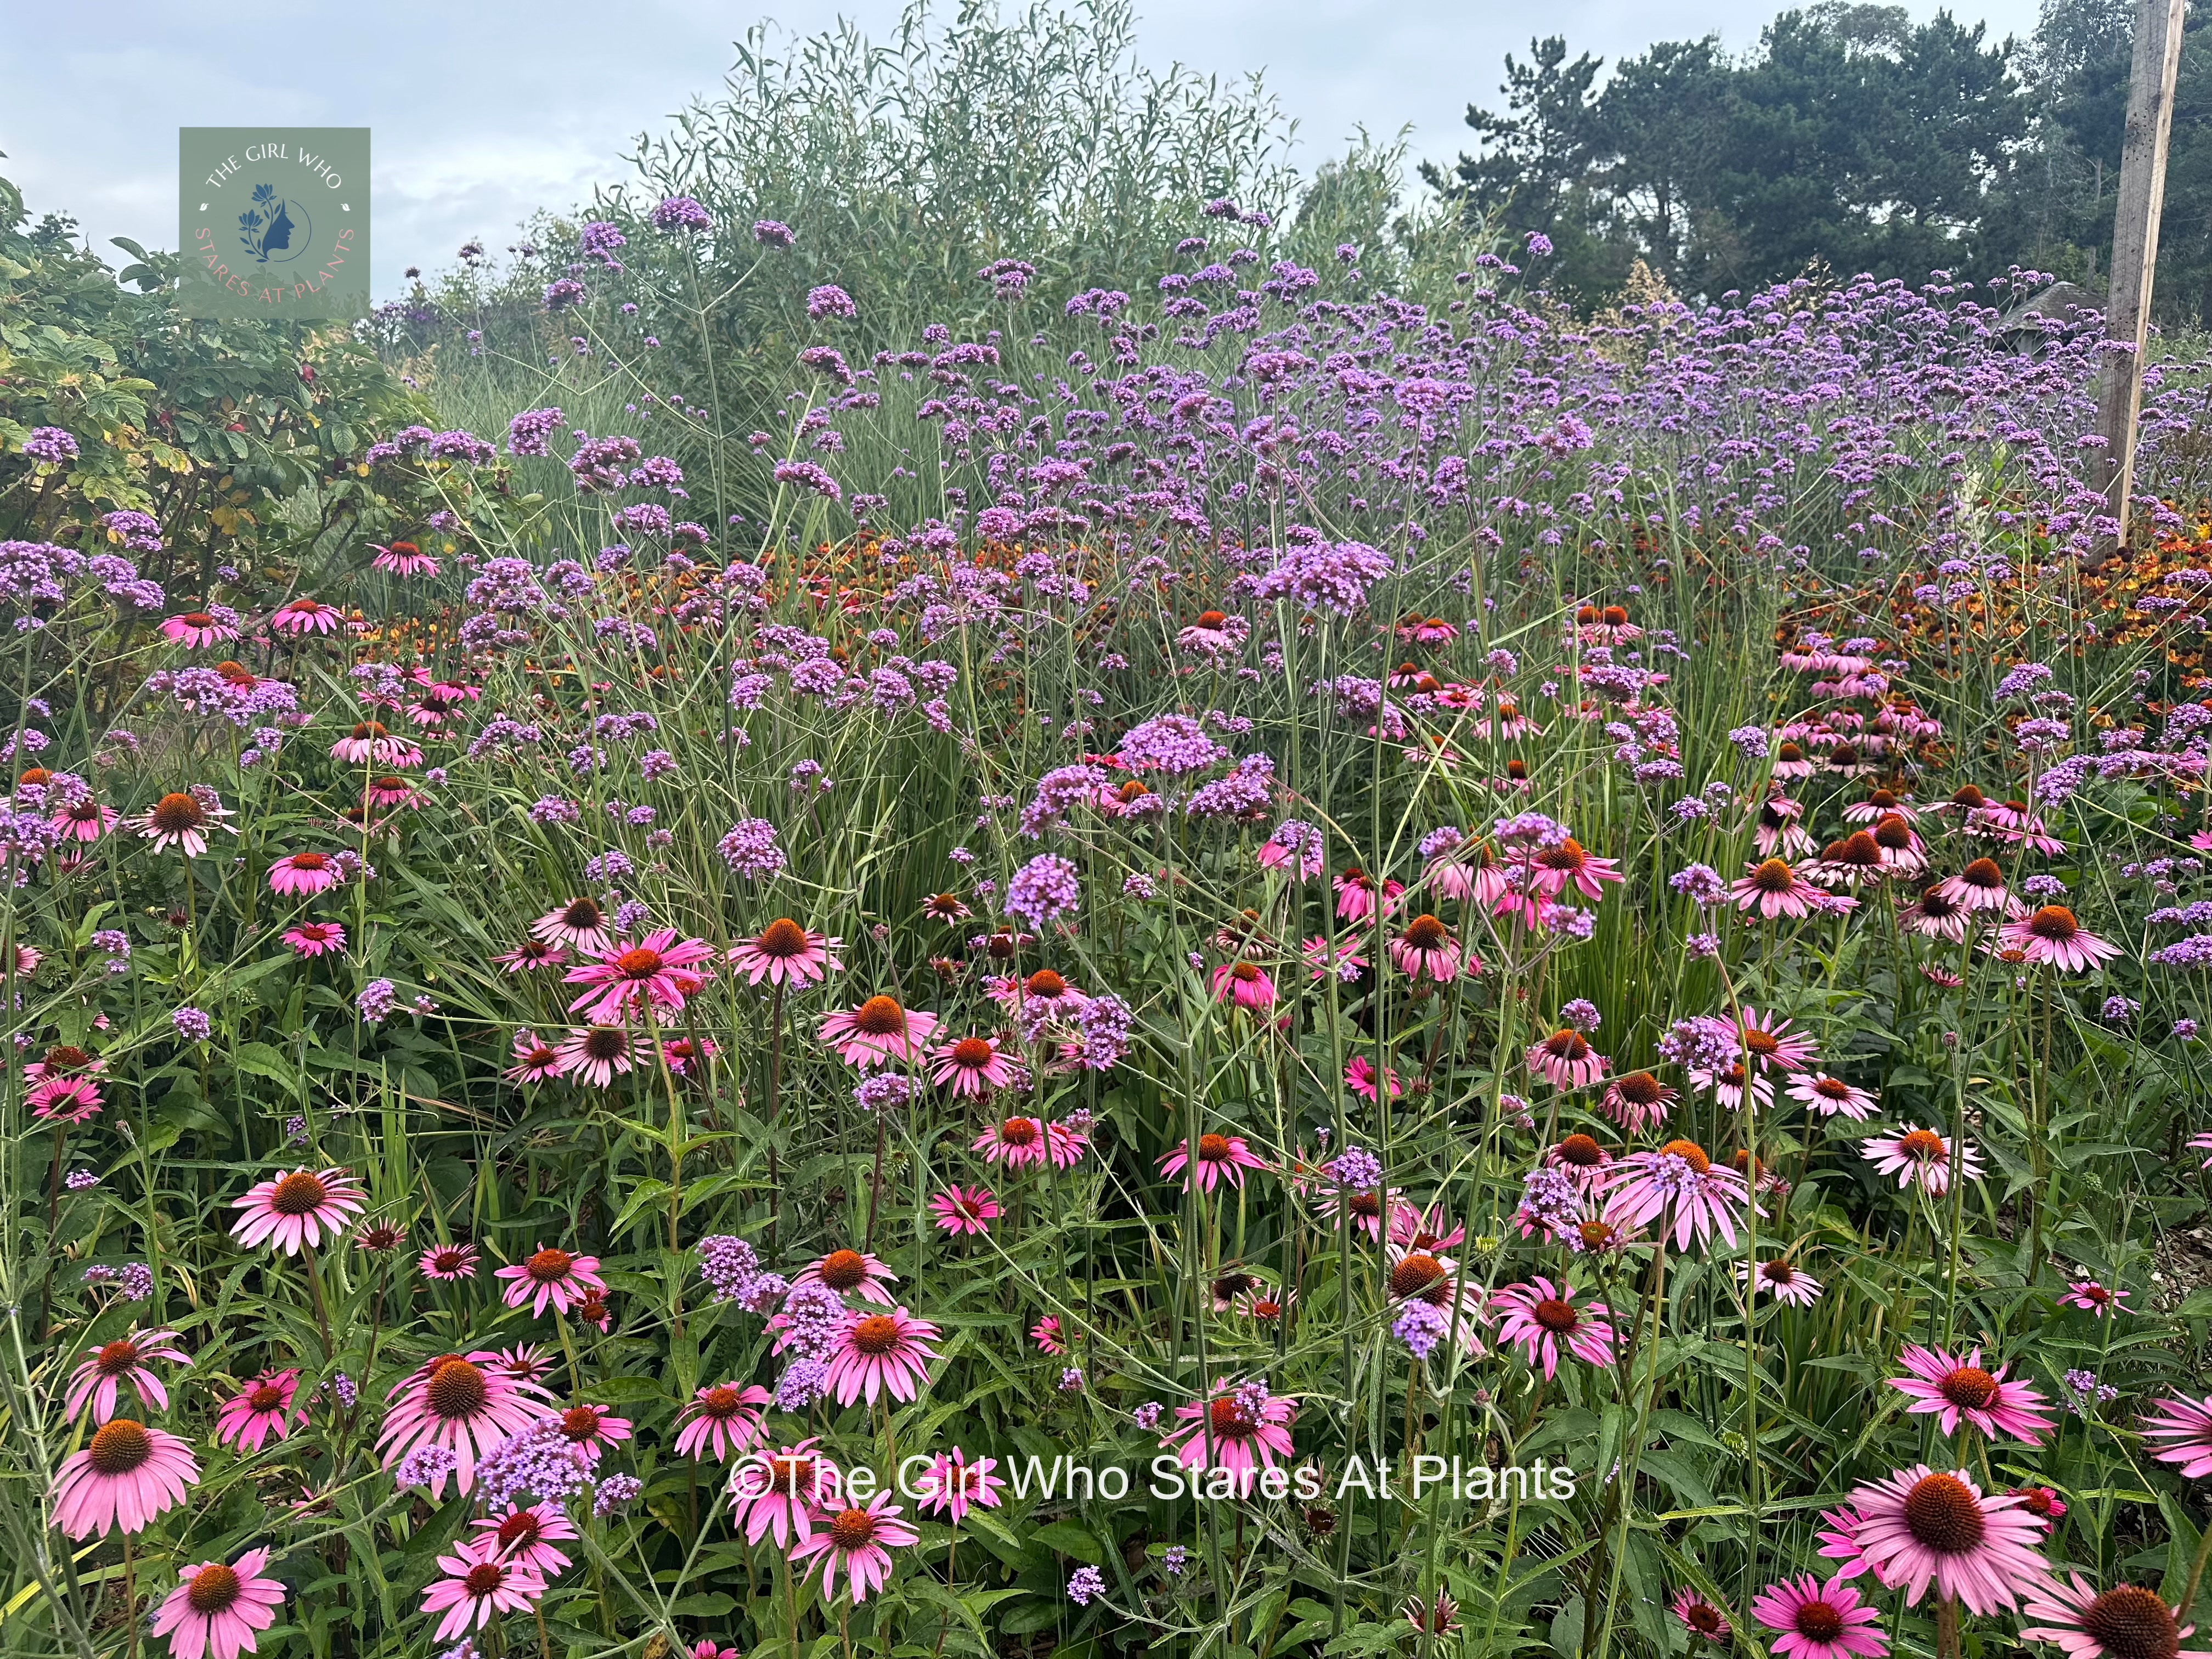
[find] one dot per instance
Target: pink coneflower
(783, 951)
(596, 1054)
(1582, 1158)
(860, 1541)
(181, 820)
(61, 1084)
(780, 1493)
(448, 1263)
(725, 1419)
(1831, 1097)
(467, 1403)
(1854, 861)
(1953, 1389)
(2181, 1429)
(972, 1066)
(300, 875)
(1557, 868)
(530, 1363)
(594, 1430)
(1820, 1621)
(370, 743)
(2040, 1501)
(264, 1407)
(1770, 1043)
(126, 1474)
(2122, 1623)
(1539, 1317)
(389, 790)
(1360, 1077)
(316, 938)
(580, 924)
(1881, 804)
(968, 1210)
(1346, 964)
(1919, 1156)
(1018, 1141)
(881, 1353)
(851, 1272)
(1783, 1280)
(1979, 886)
(297, 1209)
(527, 1535)
(1699, 1617)
(84, 820)
(1919, 1527)
(1241, 1428)
(530, 955)
(1678, 1184)
(1219, 1156)
(1357, 896)
(1426, 950)
(1045, 1334)
(877, 1032)
(1902, 849)
(306, 616)
(1773, 889)
(217, 1607)
(550, 1275)
(2052, 935)
(1566, 1059)
(536, 1061)
(405, 559)
(1245, 984)
(104, 1369)
(1637, 1102)
(2093, 1297)
(954, 1484)
(1777, 831)
(1932, 915)
(1414, 1229)
(197, 629)
(478, 1586)
(631, 981)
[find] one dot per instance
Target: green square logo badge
(273, 221)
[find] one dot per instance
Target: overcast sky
(484, 110)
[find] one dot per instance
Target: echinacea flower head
(1831, 1097)
(1540, 1319)
(2120, 1623)
(1637, 1101)
(2052, 935)
(783, 952)
(851, 1272)
(531, 954)
(969, 1210)
(301, 875)
(296, 1210)
(593, 1429)
(1018, 1142)
(465, 1403)
(1958, 1390)
(1218, 1158)
(1564, 864)
(260, 1409)
(856, 1541)
(1783, 1280)
(1243, 1428)
(876, 1032)
(404, 559)
(478, 1587)
(1919, 1157)
(881, 1353)
(217, 1607)
(1920, 1528)
(550, 1276)
(448, 1263)
(1246, 984)
(972, 1067)
(1567, 1060)
(105, 1369)
(1773, 891)
(528, 1534)
(596, 1054)
(1704, 1621)
(125, 1476)
(781, 1493)
(655, 975)
(580, 924)
(181, 819)
(1678, 1185)
(1426, 950)
(2093, 1298)
(2180, 1430)
(316, 938)
(1820, 1621)
(954, 1483)
(305, 615)
(1980, 886)
(724, 1418)
(197, 629)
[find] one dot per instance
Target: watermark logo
(273, 221)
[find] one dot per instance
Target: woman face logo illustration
(274, 230)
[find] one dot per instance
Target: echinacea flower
(784, 952)
(851, 1272)
(1566, 1059)
(724, 1418)
(859, 1541)
(1245, 984)
(1960, 1390)
(631, 981)
(63, 1084)
(596, 1054)
(98, 1379)
(531, 954)
(1219, 1158)
(1016, 1142)
(1437, 1618)
(1678, 1184)
(1919, 1157)
(781, 1493)
(197, 629)
(300, 875)
(1360, 1077)
(881, 1353)
(1426, 950)
(1770, 1043)
(405, 559)
(1980, 886)
(478, 1587)
(294, 1210)
(83, 819)
(1540, 1318)
(1773, 889)
(217, 1607)
(1241, 1428)
(262, 1408)
(1932, 915)
(1831, 1097)
(954, 1483)
(1820, 1621)
(968, 1210)
(1919, 1528)
(2120, 1623)
(1783, 1280)
(449, 1262)
(536, 1060)
(527, 1535)
(466, 1403)
(125, 1476)
(1637, 1102)
(2180, 1432)
(1699, 1617)
(550, 1275)
(1564, 864)
(1358, 898)
(972, 1067)
(305, 615)
(880, 1030)
(2052, 935)
(316, 938)
(580, 924)
(370, 743)
(593, 1430)
(2093, 1298)
(180, 820)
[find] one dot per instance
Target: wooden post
(2134, 241)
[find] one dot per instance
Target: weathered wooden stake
(2134, 241)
